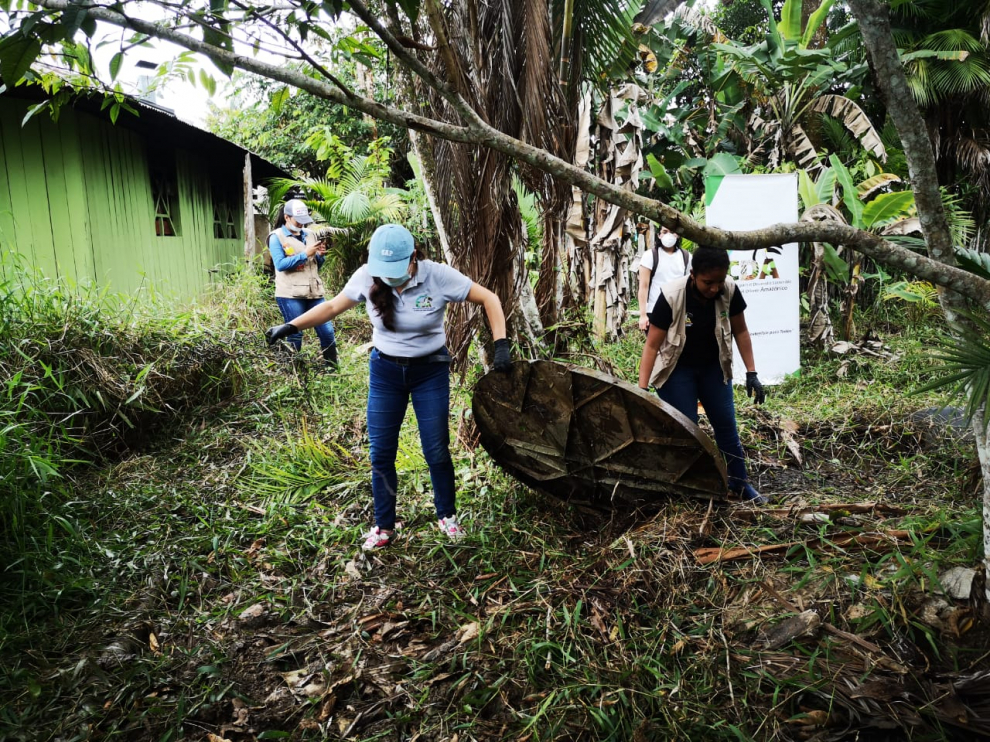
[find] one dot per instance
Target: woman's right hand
(274, 334)
(644, 322)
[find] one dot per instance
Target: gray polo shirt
(419, 309)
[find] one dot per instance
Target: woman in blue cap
(406, 296)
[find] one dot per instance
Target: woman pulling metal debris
(406, 296)
(687, 356)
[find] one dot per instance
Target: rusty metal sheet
(591, 438)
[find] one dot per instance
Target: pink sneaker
(454, 530)
(377, 538)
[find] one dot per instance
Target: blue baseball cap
(389, 251)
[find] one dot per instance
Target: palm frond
(837, 137)
(388, 207)
(961, 222)
(952, 39)
(607, 37)
(964, 368)
(354, 207)
(961, 78)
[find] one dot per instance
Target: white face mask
(293, 228)
(668, 240)
(396, 282)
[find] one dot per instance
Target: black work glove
(754, 388)
(274, 334)
(502, 361)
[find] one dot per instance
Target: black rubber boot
(330, 358)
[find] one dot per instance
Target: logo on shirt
(424, 301)
(689, 321)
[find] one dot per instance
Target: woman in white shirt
(664, 262)
(406, 296)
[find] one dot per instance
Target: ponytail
(382, 300)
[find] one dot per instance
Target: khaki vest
(303, 282)
(673, 345)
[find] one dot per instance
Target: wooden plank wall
(75, 201)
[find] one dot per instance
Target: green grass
(128, 577)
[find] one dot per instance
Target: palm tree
(946, 50)
(518, 64)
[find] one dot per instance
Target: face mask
(668, 239)
(396, 282)
(293, 229)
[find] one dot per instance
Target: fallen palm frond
(863, 694)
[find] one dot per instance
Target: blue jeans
(685, 387)
(390, 387)
(292, 308)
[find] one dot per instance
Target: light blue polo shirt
(419, 309)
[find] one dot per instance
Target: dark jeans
(292, 308)
(390, 388)
(688, 385)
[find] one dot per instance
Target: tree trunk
(983, 451)
(428, 170)
(366, 82)
(250, 249)
(576, 245)
(874, 24)
(849, 296)
(621, 159)
(821, 36)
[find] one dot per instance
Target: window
(164, 193)
(224, 214)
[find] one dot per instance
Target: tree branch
(468, 115)
(294, 78)
(303, 54)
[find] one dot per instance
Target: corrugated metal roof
(157, 123)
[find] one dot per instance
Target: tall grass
(87, 377)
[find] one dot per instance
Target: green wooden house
(148, 203)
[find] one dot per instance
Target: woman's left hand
(754, 388)
(503, 360)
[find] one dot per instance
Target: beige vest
(675, 292)
(303, 282)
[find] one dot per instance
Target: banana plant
(790, 82)
(835, 197)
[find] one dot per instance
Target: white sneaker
(376, 538)
(454, 530)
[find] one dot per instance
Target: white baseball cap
(298, 211)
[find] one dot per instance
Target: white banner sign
(768, 278)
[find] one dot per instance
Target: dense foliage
(266, 119)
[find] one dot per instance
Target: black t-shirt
(700, 343)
